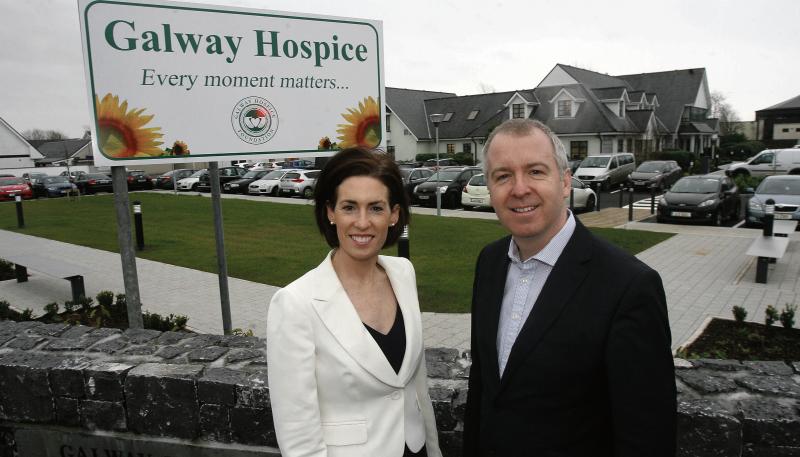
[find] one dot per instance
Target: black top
(393, 345)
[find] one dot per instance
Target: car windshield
(595, 162)
(11, 181)
(696, 186)
(651, 167)
(444, 175)
(779, 186)
(55, 179)
(477, 180)
(198, 174)
(277, 174)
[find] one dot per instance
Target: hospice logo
(254, 120)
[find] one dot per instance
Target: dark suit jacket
(591, 372)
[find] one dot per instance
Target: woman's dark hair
(359, 162)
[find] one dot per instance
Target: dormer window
(564, 108)
(472, 115)
(517, 111)
(447, 117)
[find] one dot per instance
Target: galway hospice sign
(180, 82)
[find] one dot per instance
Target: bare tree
(39, 134)
(485, 88)
(722, 110)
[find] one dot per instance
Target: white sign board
(181, 82)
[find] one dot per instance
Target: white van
(768, 162)
(606, 169)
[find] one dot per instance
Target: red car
(12, 186)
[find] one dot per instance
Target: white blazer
(333, 392)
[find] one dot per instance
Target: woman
(344, 342)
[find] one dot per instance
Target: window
(390, 150)
(467, 148)
(472, 115)
(447, 117)
(388, 124)
(797, 129)
(564, 108)
(517, 111)
(786, 130)
(620, 145)
(630, 145)
(451, 148)
(578, 149)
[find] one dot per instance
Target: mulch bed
(727, 339)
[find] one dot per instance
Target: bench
(769, 249)
(49, 266)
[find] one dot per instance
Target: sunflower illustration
(121, 132)
(364, 128)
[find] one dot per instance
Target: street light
(436, 119)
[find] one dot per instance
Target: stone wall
(72, 391)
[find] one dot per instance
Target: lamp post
(436, 119)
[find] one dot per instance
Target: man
(570, 338)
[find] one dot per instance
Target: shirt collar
(552, 251)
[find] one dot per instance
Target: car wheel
(194, 187)
(466, 207)
(275, 191)
(590, 204)
(308, 193)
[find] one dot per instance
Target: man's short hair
(522, 127)
(359, 162)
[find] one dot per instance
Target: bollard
(621, 194)
(653, 199)
(769, 216)
(572, 199)
(630, 204)
(137, 216)
(403, 248)
(597, 194)
(20, 216)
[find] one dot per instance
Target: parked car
(784, 191)
(706, 198)
(55, 186)
(412, 177)
(226, 175)
(167, 180)
(660, 174)
(241, 185)
(138, 179)
(269, 184)
(574, 164)
(410, 164)
(476, 194)
(90, 183)
(299, 182)
(607, 170)
(583, 197)
(431, 163)
(768, 162)
(29, 177)
(192, 181)
(73, 175)
(449, 182)
(11, 186)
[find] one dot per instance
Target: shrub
(172, 322)
(240, 332)
(739, 313)
(51, 308)
(105, 298)
(85, 303)
(770, 315)
(70, 306)
(426, 156)
(787, 315)
(742, 150)
(5, 309)
(684, 158)
(464, 158)
(744, 181)
(26, 315)
(6, 270)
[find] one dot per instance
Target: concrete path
(704, 269)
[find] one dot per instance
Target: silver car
(299, 182)
(784, 190)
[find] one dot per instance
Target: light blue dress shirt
(524, 282)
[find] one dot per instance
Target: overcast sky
(750, 50)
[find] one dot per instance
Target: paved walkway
(704, 269)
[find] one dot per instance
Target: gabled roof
(592, 117)
(528, 95)
(487, 105)
(593, 79)
(609, 93)
(409, 105)
(788, 104)
(695, 127)
(640, 118)
(675, 89)
(53, 151)
(32, 152)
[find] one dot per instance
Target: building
(15, 151)
(779, 125)
(592, 113)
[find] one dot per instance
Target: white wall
(792, 134)
(15, 162)
(557, 77)
(12, 144)
(405, 146)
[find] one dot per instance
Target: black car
(52, 186)
(89, 183)
(450, 181)
(226, 175)
(138, 179)
(168, 179)
(660, 174)
(413, 177)
(240, 186)
(707, 198)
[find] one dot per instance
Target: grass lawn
(274, 243)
